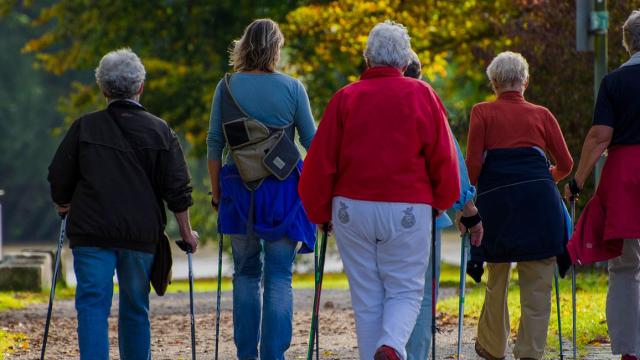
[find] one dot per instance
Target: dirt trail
(171, 332)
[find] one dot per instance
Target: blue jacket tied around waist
(523, 214)
(278, 211)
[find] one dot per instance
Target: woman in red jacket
(382, 159)
(522, 211)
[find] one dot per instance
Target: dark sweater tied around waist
(522, 210)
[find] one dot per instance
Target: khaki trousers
(535, 280)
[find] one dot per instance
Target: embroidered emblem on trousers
(343, 214)
(408, 220)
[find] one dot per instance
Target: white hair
(508, 69)
(388, 44)
(120, 74)
(631, 32)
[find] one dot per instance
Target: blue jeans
(419, 343)
(94, 268)
(276, 310)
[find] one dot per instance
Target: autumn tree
(182, 43)
(326, 41)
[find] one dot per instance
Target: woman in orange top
(522, 211)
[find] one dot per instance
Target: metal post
(599, 26)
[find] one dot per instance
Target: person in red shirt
(382, 159)
(522, 210)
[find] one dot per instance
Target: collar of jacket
(380, 71)
(512, 96)
(634, 60)
(125, 103)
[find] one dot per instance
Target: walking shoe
(629, 357)
(385, 352)
(484, 354)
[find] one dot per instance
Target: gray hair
(388, 44)
(508, 69)
(120, 74)
(631, 32)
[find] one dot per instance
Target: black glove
(574, 188)
(475, 269)
(471, 221)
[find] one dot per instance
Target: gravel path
(171, 334)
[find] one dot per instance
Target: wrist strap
(471, 221)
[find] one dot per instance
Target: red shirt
(383, 138)
(512, 122)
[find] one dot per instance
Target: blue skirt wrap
(278, 211)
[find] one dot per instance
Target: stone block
(26, 271)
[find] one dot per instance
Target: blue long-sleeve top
(272, 98)
(467, 191)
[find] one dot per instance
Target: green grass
(300, 281)
(591, 298)
(10, 300)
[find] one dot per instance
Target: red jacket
(612, 214)
(383, 138)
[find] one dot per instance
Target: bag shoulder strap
(227, 78)
(227, 93)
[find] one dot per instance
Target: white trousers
(623, 300)
(384, 249)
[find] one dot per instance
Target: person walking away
(510, 148)
(608, 228)
(419, 343)
(258, 207)
(383, 159)
(113, 173)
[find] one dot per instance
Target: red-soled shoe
(385, 352)
(629, 357)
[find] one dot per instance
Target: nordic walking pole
(316, 277)
(463, 273)
(433, 284)
(52, 293)
(573, 283)
(219, 291)
(316, 297)
(555, 277)
(184, 246)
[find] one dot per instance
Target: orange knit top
(511, 122)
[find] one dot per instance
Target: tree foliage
(326, 41)
(183, 44)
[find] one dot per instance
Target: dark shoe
(629, 357)
(385, 352)
(484, 354)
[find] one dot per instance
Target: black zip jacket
(117, 167)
